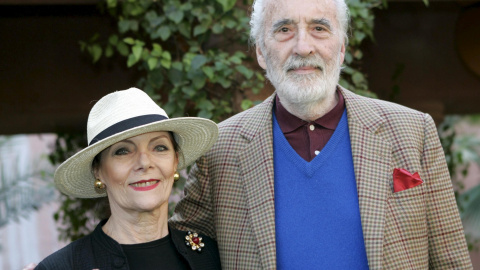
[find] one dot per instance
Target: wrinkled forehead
(300, 11)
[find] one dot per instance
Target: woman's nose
(143, 161)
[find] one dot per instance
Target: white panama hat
(125, 114)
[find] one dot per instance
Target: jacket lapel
(256, 166)
(372, 164)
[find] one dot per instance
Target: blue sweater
(317, 218)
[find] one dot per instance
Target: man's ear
(260, 57)
(342, 53)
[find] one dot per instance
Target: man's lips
(144, 185)
(305, 69)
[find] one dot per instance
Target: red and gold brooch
(194, 241)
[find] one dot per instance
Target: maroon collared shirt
(308, 138)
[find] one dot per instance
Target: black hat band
(127, 124)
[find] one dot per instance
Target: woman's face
(138, 172)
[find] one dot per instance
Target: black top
(151, 255)
(99, 251)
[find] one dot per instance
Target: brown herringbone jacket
(230, 191)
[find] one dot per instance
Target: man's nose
(304, 46)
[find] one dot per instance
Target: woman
(133, 157)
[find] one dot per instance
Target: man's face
(303, 49)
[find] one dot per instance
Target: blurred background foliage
(462, 149)
(194, 59)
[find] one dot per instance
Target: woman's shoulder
(187, 244)
(64, 258)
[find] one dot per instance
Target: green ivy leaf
(184, 28)
(227, 4)
(217, 28)
(175, 76)
(129, 40)
(175, 15)
(235, 59)
(122, 48)
(208, 71)
(363, 13)
(205, 114)
(108, 51)
(166, 63)
(246, 72)
(359, 35)
(224, 82)
(348, 70)
(126, 25)
(137, 51)
(348, 58)
(189, 91)
(358, 78)
(152, 63)
(96, 52)
(246, 104)
(113, 40)
(136, 10)
(157, 50)
(132, 60)
(199, 29)
(186, 6)
(358, 54)
(177, 65)
(205, 104)
(199, 80)
(260, 77)
(111, 3)
(229, 23)
(166, 55)
(164, 32)
(166, 60)
(198, 61)
(152, 18)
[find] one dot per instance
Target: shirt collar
(289, 122)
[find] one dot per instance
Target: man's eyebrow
(278, 24)
(322, 21)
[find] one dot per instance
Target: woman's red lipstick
(144, 187)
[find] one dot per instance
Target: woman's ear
(96, 173)
(176, 160)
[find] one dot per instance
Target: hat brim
(195, 136)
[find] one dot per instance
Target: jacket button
(118, 262)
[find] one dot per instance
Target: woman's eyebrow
(158, 137)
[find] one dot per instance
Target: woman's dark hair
(102, 207)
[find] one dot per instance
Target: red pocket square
(403, 179)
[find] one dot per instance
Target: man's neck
(312, 110)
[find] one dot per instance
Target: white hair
(257, 20)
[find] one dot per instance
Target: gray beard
(301, 94)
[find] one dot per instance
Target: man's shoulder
(256, 114)
(383, 108)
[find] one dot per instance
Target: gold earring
(176, 176)
(99, 184)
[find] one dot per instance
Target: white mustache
(295, 62)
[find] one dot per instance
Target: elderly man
(317, 177)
